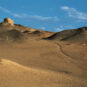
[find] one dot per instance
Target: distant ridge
(74, 35)
(14, 31)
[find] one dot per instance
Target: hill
(35, 58)
(74, 35)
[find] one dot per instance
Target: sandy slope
(16, 75)
(35, 58)
(43, 63)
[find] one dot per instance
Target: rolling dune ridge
(35, 58)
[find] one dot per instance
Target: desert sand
(35, 58)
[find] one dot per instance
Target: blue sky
(49, 15)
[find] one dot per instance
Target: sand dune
(41, 64)
(35, 58)
(16, 75)
(75, 35)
